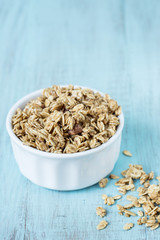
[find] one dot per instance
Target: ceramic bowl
(63, 171)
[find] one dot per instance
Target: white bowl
(63, 171)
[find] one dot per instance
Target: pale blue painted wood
(112, 46)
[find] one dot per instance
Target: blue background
(110, 45)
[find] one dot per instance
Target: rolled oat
(128, 226)
(103, 224)
(100, 211)
(103, 182)
(140, 213)
(127, 153)
(113, 176)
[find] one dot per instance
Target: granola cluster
(67, 120)
(148, 200)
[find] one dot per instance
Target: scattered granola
(110, 201)
(149, 197)
(151, 175)
(143, 178)
(131, 198)
(100, 211)
(117, 197)
(125, 184)
(120, 208)
(113, 176)
(104, 196)
(154, 226)
(67, 120)
(130, 213)
(103, 182)
(140, 213)
(144, 220)
(103, 224)
(128, 226)
(127, 153)
(139, 221)
(147, 184)
(128, 206)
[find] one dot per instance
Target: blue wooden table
(112, 46)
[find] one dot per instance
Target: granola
(103, 224)
(100, 211)
(67, 120)
(140, 213)
(127, 153)
(148, 200)
(149, 196)
(103, 182)
(128, 226)
(113, 176)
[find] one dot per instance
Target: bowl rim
(35, 151)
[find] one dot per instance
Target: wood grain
(112, 46)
